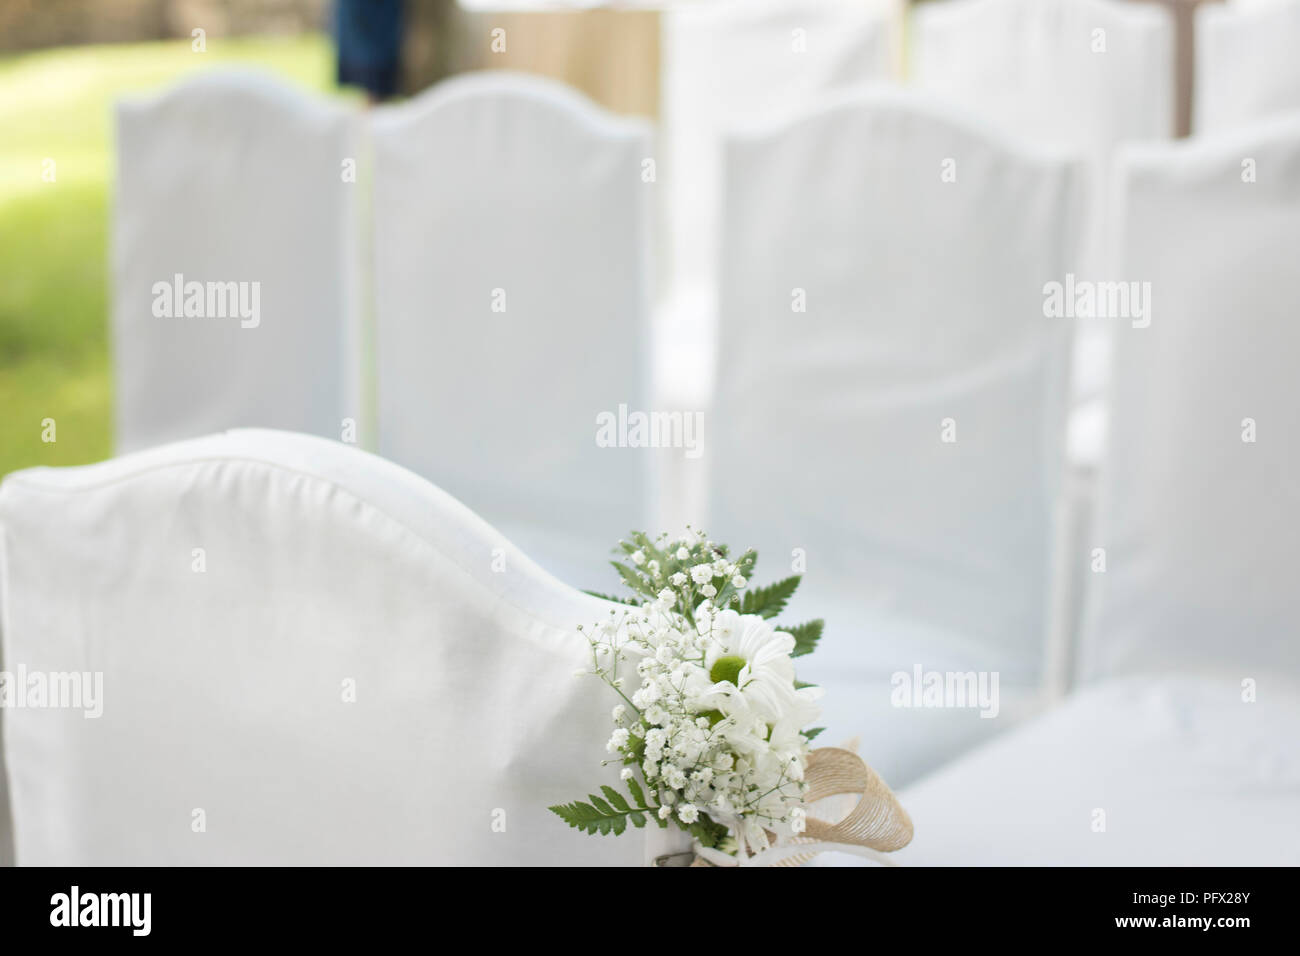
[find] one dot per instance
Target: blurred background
(64, 62)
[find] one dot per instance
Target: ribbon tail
(877, 821)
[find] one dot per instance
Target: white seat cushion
(1185, 772)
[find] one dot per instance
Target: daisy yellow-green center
(727, 668)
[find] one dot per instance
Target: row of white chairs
(1086, 75)
(911, 424)
(1098, 71)
(1076, 70)
(279, 649)
(468, 273)
(891, 394)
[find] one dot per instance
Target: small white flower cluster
(715, 722)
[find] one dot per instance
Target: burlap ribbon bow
(875, 824)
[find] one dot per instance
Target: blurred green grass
(54, 255)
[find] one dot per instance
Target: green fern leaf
(615, 798)
(616, 600)
(771, 600)
(805, 636)
(631, 578)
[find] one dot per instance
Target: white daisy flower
(747, 652)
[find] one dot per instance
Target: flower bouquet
(712, 728)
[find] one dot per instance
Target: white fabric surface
(1199, 525)
(1187, 774)
(900, 743)
(733, 63)
(924, 303)
(223, 689)
(234, 177)
(509, 182)
(1246, 64)
(1030, 65)
(725, 64)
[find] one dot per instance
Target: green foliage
(771, 600)
(609, 814)
(617, 600)
(709, 833)
(630, 578)
(805, 636)
(634, 788)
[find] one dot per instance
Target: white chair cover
(1037, 66)
(924, 315)
(724, 64)
(233, 177)
(1198, 525)
(1131, 772)
(1246, 64)
(738, 62)
(1033, 66)
(224, 690)
(508, 191)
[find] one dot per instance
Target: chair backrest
(308, 655)
(891, 393)
(1084, 74)
(511, 281)
(1246, 64)
(1199, 501)
(738, 62)
(233, 271)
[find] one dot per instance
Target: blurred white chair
(1199, 501)
(511, 279)
(724, 64)
(309, 650)
(871, 311)
(1169, 771)
(1180, 749)
(734, 63)
(1246, 64)
(233, 265)
(1084, 74)
(1087, 74)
